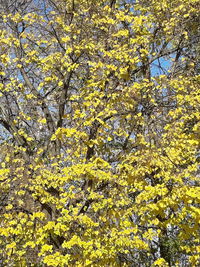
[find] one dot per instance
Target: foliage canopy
(100, 133)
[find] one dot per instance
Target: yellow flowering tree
(100, 130)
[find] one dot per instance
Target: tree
(100, 133)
